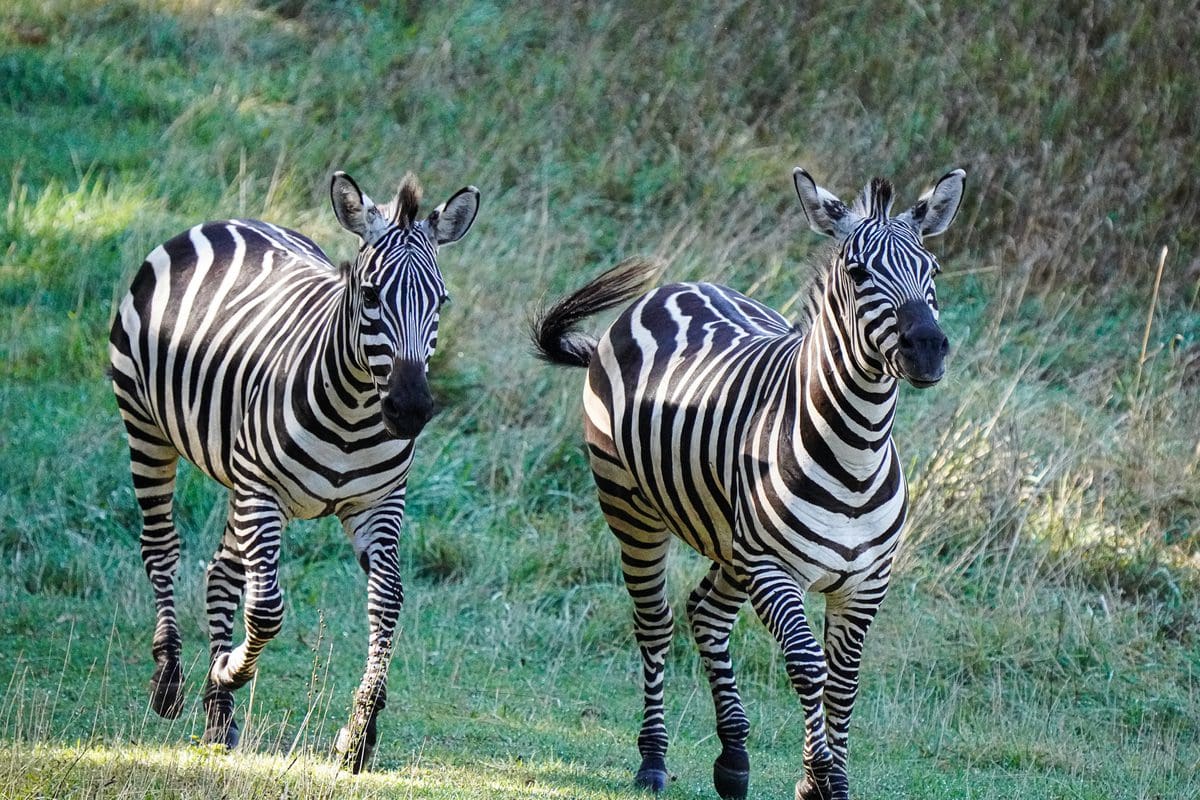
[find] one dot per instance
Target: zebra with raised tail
(301, 387)
(767, 449)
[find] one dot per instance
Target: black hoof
(730, 783)
(809, 789)
(166, 690)
(353, 755)
(227, 735)
(652, 778)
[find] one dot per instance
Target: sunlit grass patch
(66, 249)
(133, 770)
(102, 770)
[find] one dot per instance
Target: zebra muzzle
(407, 404)
(923, 345)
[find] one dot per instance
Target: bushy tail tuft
(553, 330)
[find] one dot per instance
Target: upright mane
(876, 199)
(408, 199)
(813, 287)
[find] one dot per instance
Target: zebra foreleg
(779, 603)
(226, 580)
(257, 523)
(712, 609)
(377, 553)
(846, 624)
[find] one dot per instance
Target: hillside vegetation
(1042, 636)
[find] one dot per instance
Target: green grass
(1042, 638)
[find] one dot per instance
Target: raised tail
(555, 338)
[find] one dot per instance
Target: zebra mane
(408, 198)
(876, 199)
(813, 291)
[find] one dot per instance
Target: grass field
(1042, 636)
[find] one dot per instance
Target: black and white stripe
(300, 386)
(768, 449)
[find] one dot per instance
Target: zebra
(301, 387)
(768, 449)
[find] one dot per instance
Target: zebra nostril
(906, 342)
(945, 348)
(389, 406)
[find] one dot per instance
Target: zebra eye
(370, 296)
(444, 300)
(858, 273)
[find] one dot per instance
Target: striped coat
(767, 448)
(301, 387)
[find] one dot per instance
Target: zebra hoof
(166, 689)
(809, 789)
(353, 755)
(730, 783)
(653, 779)
(228, 681)
(228, 735)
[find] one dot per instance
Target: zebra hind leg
(644, 542)
(226, 581)
(712, 609)
(643, 564)
(153, 464)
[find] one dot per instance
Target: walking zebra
(768, 450)
(301, 387)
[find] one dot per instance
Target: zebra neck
(848, 406)
(336, 371)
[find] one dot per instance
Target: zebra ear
(937, 208)
(354, 210)
(450, 221)
(826, 214)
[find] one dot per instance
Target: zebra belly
(308, 494)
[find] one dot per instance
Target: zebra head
(395, 291)
(884, 275)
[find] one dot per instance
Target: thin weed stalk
(1137, 380)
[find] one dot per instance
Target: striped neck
(337, 370)
(848, 402)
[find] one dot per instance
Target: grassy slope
(1041, 637)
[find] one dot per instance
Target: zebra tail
(555, 338)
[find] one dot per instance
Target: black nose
(925, 340)
(405, 420)
(923, 346)
(407, 404)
